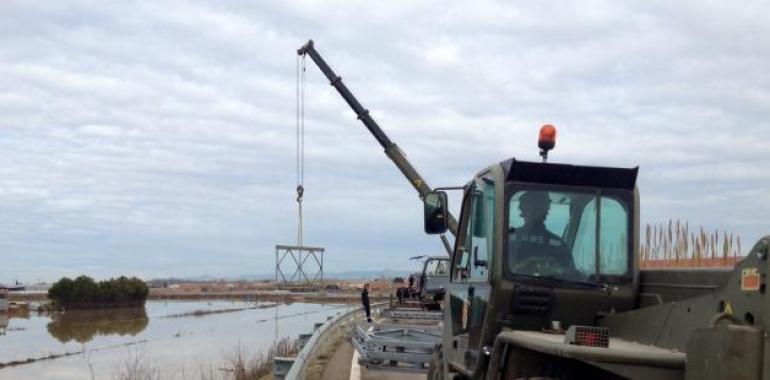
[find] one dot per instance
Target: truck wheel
(436, 366)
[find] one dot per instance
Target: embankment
(270, 296)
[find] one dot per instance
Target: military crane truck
(545, 279)
(543, 247)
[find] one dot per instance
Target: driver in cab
(533, 246)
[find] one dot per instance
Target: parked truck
(433, 279)
(428, 286)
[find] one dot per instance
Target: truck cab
(539, 246)
(434, 276)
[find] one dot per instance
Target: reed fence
(675, 245)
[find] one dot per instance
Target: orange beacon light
(547, 140)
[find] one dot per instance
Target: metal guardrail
(314, 345)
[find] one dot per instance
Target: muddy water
(179, 339)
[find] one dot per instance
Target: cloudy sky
(157, 138)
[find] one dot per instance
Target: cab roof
(570, 175)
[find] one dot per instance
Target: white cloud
(134, 132)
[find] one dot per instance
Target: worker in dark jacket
(533, 243)
(365, 302)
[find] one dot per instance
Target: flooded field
(179, 338)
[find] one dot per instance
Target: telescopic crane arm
(391, 149)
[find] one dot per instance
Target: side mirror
(435, 208)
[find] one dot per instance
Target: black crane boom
(391, 149)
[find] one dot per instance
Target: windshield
(567, 235)
(437, 267)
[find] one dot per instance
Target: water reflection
(3, 323)
(19, 311)
(82, 325)
(178, 346)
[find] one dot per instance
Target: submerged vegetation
(238, 364)
(243, 366)
(202, 312)
(83, 292)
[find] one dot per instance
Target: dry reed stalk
(241, 365)
(245, 367)
(672, 244)
(137, 366)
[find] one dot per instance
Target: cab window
(479, 235)
(612, 245)
(562, 235)
(613, 242)
(436, 267)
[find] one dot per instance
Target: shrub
(85, 291)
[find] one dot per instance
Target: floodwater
(177, 338)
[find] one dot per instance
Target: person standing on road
(365, 302)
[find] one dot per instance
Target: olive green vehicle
(545, 280)
(542, 247)
(434, 277)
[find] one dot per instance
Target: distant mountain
(365, 274)
(339, 275)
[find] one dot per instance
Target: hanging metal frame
(299, 255)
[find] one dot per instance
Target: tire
(436, 366)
